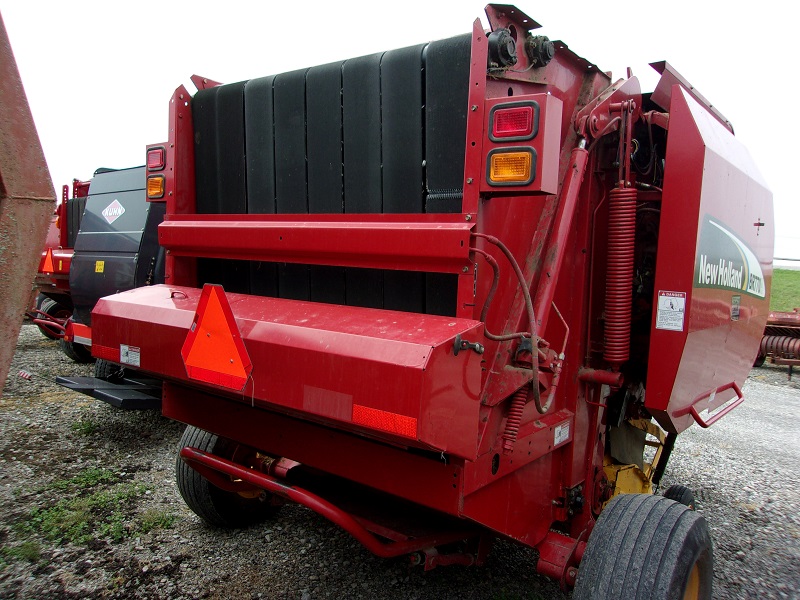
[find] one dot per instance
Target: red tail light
(156, 159)
(514, 121)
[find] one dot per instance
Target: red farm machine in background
(53, 299)
(781, 341)
(466, 289)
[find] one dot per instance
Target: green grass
(95, 504)
(84, 427)
(29, 551)
(785, 293)
(156, 519)
(100, 514)
(86, 479)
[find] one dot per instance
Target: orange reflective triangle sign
(214, 351)
(48, 267)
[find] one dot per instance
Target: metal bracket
(460, 344)
(525, 346)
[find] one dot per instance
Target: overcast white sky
(99, 75)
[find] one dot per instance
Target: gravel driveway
(89, 509)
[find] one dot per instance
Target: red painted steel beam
(409, 245)
(554, 258)
(27, 198)
(321, 506)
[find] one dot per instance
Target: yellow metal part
(692, 591)
(654, 430)
(630, 479)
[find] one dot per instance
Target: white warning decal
(129, 355)
(561, 434)
(671, 310)
(113, 211)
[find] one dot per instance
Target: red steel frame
(484, 453)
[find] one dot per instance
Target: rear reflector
(390, 422)
(514, 121)
(155, 186)
(513, 166)
(213, 351)
(156, 159)
(48, 266)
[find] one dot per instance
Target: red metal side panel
(390, 374)
(712, 279)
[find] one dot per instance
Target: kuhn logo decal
(113, 211)
(726, 262)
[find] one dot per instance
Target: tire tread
(642, 548)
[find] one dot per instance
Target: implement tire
(55, 310)
(217, 507)
(680, 493)
(646, 548)
(105, 369)
(77, 352)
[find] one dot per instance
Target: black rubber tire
(645, 548)
(54, 309)
(217, 507)
(680, 493)
(759, 361)
(77, 352)
(104, 369)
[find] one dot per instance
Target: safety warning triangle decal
(48, 267)
(214, 351)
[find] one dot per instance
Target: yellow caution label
(99, 266)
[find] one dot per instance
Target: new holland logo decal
(725, 262)
(113, 211)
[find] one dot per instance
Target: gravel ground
(89, 509)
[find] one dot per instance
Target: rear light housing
(156, 158)
(514, 121)
(511, 166)
(155, 187)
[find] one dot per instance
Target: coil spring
(518, 401)
(621, 232)
(781, 346)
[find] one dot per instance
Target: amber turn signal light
(511, 167)
(155, 187)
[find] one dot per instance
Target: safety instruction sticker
(671, 310)
(561, 434)
(99, 266)
(129, 355)
(736, 302)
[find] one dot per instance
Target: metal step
(128, 393)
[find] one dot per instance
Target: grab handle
(705, 423)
